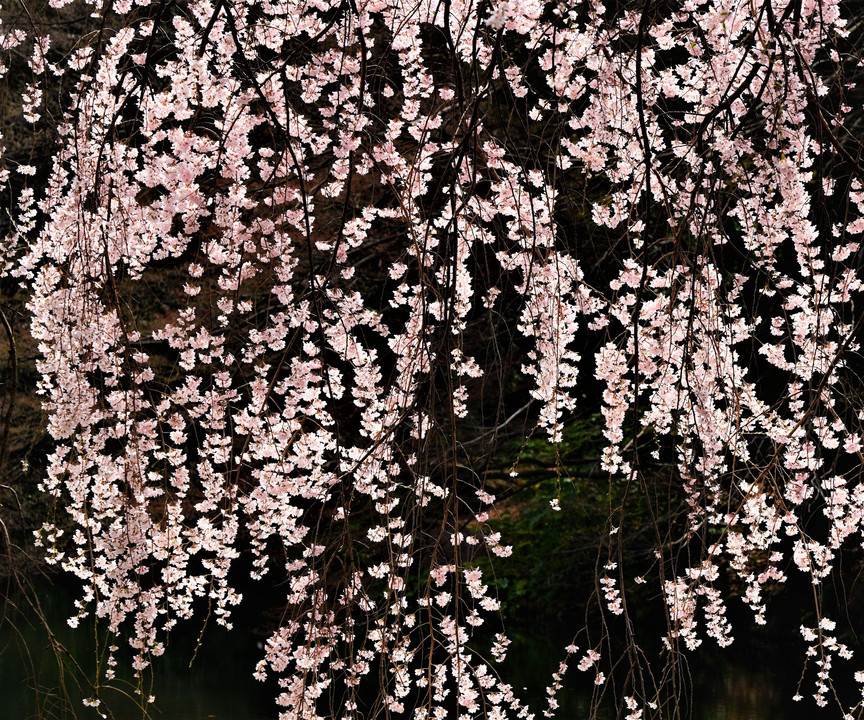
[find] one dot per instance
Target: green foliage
(554, 553)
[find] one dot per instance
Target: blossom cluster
(340, 207)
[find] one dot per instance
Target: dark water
(219, 684)
(37, 682)
(752, 680)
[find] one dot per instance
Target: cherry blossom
(339, 208)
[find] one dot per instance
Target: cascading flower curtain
(346, 196)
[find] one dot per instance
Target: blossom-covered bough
(660, 199)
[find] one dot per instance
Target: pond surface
(730, 684)
(219, 685)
